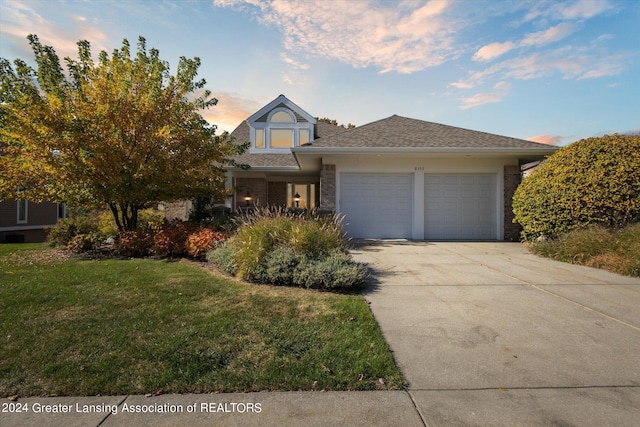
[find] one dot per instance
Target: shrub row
(173, 239)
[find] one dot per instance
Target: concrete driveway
(488, 334)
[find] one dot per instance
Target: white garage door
(460, 207)
(376, 205)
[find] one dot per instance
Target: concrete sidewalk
(363, 408)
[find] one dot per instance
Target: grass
(11, 248)
(616, 250)
(111, 327)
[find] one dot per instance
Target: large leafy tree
(122, 132)
(592, 181)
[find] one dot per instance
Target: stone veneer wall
(257, 188)
(328, 188)
(512, 178)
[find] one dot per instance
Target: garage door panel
(379, 205)
(460, 207)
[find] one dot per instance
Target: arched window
(282, 117)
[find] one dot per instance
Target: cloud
(552, 34)
(20, 20)
(570, 62)
(462, 84)
(403, 38)
(293, 63)
(231, 110)
(502, 86)
(480, 99)
(547, 139)
(492, 51)
(578, 9)
(501, 89)
(582, 9)
(540, 38)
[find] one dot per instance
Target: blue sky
(551, 71)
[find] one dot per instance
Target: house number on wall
(419, 168)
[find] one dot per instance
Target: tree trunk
(125, 215)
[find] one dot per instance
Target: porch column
(512, 178)
(328, 188)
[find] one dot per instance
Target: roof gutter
(452, 150)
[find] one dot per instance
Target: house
(25, 221)
(393, 178)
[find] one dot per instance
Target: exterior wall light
(247, 198)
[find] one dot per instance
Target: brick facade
(512, 178)
(277, 193)
(328, 188)
(257, 189)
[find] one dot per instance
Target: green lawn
(10, 248)
(86, 327)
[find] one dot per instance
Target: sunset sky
(550, 71)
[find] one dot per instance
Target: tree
(592, 181)
(335, 123)
(121, 132)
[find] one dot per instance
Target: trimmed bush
(135, 243)
(279, 266)
(67, 229)
(336, 270)
(81, 243)
(106, 224)
(594, 181)
(199, 242)
(223, 258)
(171, 239)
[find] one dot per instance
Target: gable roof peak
(281, 100)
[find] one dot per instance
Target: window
(22, 211)
(281, 138)
(62, 211)
(306, 193)
(303, 138)
(282, 117)
(259, 138)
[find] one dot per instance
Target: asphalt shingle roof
(402, 132)
(391, 132)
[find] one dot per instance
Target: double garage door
(456, 207)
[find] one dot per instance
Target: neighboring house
(25, 221)
(392, 178)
